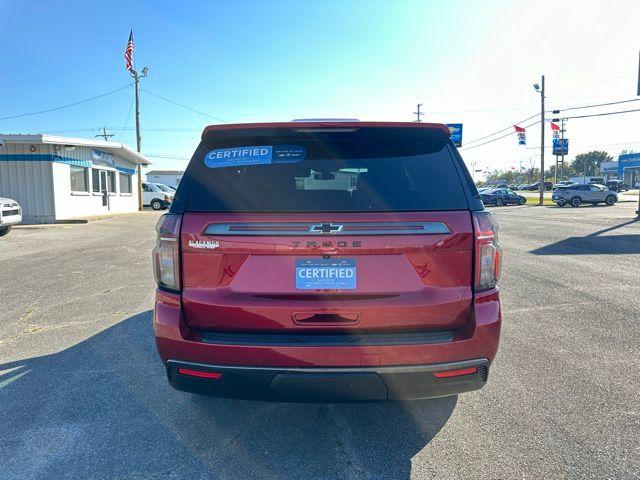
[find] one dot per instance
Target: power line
(67, 105)
(498, 138)
(566, 118)
(183, 106)
(597, 105)
(590, 85)
(503, 130)
(603, 114)
(502, 136)
(574, 147)
(129, 129)
(126, 122)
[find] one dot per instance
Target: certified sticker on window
(254, 155)
(237, 156)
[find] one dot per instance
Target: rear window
(350, 170)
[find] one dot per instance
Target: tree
(588, 164)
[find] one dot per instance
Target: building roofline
(165, 172)
(114, 147)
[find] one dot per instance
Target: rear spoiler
(325, 124)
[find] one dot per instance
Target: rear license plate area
(326, 274)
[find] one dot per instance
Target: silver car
(10, 214)
(576, 194)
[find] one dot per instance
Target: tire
(576, 202)
(610, 200)
(5, 230)
(561, 203)
(156, 204)
(499, 202)
(522, 201)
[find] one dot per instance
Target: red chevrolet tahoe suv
(327, 261)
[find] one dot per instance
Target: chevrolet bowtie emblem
(325, 228)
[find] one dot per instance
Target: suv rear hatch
(357, 227)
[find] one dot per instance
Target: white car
(154, 196)
(10, 214)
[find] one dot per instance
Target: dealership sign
(628, 160)
(561, 146)
(456, 133)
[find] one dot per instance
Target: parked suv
(10, 215)
(575, 195)
(275, 281)
(617, 185)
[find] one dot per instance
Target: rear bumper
(328, 384)
(382, 370)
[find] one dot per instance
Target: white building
(166, 177)
(59, 178)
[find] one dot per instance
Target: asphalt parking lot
(83, 393)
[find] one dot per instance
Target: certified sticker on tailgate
(317, 273)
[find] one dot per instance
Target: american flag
(128, 53)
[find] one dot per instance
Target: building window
(79, 178)
(125, 183)
(111, 176)
(95, 180)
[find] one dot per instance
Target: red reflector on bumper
(198, 373)
(455, 373)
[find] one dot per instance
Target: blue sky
(241, 61)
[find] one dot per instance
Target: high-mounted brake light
(166, 254)
(488, 252)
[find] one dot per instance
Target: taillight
(166, 254)
(487, 251)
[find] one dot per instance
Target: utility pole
(418, 113)
(136, 80)
(104, 134)
(541, 92)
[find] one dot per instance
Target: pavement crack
(28, 313)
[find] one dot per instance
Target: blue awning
(129, 171)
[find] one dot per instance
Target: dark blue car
(501, 196)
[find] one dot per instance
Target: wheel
(156, 204)
(499, 202)
(561, 203)
(522, 201)
(576, 201)
(4, 230)
(610, 200)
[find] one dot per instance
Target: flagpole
(128, 55)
